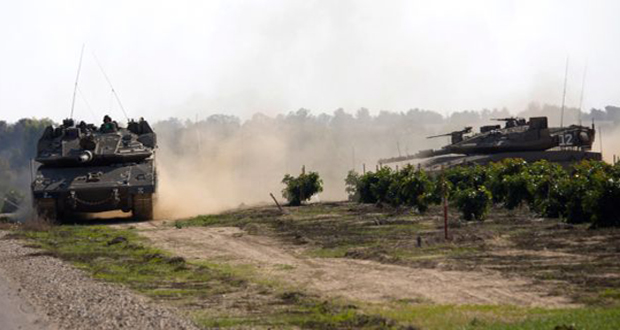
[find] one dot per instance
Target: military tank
(89, 169)
(530, 140)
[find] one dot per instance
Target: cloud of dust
(222, 162)
(198, 174)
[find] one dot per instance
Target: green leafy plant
(474, 203)
(602, 203)
(410, 187)
(301, 188)
(546, 199)
(352, 186)
(498, 172)
(381, 185)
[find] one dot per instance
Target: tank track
(143, 207)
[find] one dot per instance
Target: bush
(301, 188)
(517, 190)
(602, 203)
(374, 187)
(463, 177)
(543, 187)
(474, 203)
(498, 172)
(410, 187)
(588, 193)
(352, 186)
(586, 181)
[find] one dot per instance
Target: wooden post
(301, 191)
(276, 201)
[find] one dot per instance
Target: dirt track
(347, 278)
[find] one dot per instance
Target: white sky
(188, 58)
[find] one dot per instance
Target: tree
(474, 203)
(352, 183)
(301, 188)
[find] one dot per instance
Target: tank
(530, 140)
(85, 168)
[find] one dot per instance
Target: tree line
(258, 150)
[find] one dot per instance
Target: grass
(338, 230)
(404, 237)
(218, 295)
(307, 313)
(121, 256)
(212, 294)
(493, 317)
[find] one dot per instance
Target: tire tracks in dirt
(353, 279)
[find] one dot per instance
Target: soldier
(108, 125)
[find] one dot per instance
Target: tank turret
(85, 168)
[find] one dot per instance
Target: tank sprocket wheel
(143, 207)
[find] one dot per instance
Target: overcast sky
(188, 58)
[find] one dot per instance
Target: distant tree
(352, 186)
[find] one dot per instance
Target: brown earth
(360, 280)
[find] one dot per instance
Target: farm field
(346, 265)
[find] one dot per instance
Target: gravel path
(63, 297)
(15, 311)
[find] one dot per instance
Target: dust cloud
(221, 162)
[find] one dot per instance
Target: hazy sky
(188, 58)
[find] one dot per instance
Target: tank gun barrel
(440, 135)
(419, 155)
(461, 132)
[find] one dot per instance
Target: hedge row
(587, 192)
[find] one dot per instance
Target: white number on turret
(566, 140)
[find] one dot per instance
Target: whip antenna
(583, 84)
(90, 109)
(118, 100)
(77, 78)
(564, 93)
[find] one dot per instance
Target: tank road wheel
(143, 207)
(46, 209)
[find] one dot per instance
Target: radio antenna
(90, 109)
(564, 94)
(583, 84)
(118, 100)
(77, 78)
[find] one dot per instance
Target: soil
(353, 279)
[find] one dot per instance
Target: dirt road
(38, 291)
(15, 311)
(346, 278)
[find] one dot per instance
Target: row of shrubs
(588, 192)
